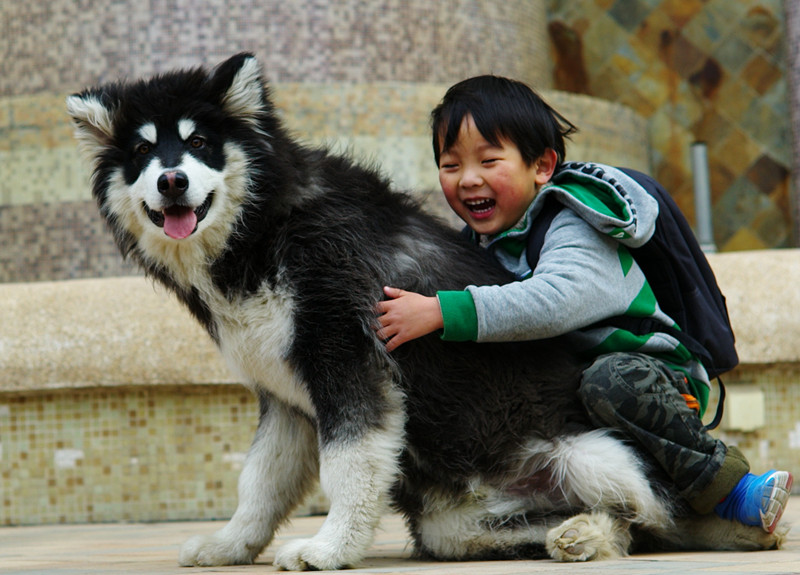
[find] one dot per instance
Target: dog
(280, 251)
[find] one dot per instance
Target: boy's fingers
(392, 292)
(394, 343)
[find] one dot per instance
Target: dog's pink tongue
(179, 222)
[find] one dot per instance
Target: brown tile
(736, 152)
(569, 69)
(767, 174)
(682, 55)
(760, 73)
(711, 126)
(708, 78)
(681, 11)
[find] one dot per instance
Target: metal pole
(702, 198)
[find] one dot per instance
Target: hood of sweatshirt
(606, 198)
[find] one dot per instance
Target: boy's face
(489, 187)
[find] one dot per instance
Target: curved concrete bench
(127, 331)
(763, 302)
(101, 332)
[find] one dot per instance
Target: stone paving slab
(152, 549)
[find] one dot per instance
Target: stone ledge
(128, 332)
(763, 302)
(101, 332)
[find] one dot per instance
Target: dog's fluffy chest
(255, 334)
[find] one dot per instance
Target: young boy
(499, 148)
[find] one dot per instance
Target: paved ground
(152, 549)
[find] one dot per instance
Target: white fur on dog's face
(125, 191)
(229, 187)
(203, 179)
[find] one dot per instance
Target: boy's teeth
(480, 205)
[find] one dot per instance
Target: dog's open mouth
(179, 222)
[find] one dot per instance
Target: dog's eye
(143, 149)
(197, 142)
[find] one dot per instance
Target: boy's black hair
(502, 109)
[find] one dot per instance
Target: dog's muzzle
(178, 220)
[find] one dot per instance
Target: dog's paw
(213, 550)
(587, 538)
(311, 554)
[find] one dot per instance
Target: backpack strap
(720, 407)
(541, 223)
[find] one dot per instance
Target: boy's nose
(471, 178)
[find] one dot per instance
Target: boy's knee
(619, 384)
(613, 374)
(598, 389)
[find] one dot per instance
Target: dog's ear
(243, 93)
(93, 121)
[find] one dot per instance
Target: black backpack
(679, 274)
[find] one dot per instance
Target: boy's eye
(448, 166)
(489, 161)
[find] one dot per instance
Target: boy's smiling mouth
(480, 206)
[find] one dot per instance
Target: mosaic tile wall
(125, 454)
(122, 455)
(160, 454)
(710, 70)
(65, 240)
(61, 45)
(776, 445)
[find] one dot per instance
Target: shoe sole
(778, 497)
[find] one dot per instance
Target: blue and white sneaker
(758, 499)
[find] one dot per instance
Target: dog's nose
(173, 184)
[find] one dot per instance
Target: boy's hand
(406, 316)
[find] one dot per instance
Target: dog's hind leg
(466, 528)
(356, 473)
(279, 470)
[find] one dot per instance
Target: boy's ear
(545, 166)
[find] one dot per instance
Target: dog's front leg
(280, 468)
(356, 474)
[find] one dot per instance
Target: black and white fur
(483, 447)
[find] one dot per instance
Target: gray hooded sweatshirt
(585, 274)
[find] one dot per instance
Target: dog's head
(169, 155)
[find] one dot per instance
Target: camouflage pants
(641, 397)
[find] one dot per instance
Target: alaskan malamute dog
(281, 251)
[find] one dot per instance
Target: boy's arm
(580, 279)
